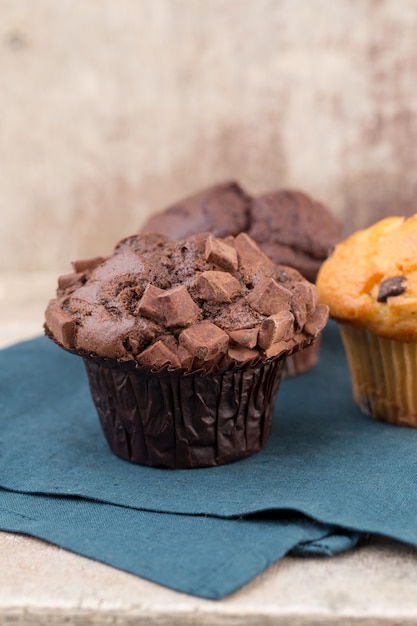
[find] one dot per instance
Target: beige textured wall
(110, 109)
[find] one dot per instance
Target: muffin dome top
(197, 304)
(222, 210)
(293, 229)
(288, 225)
(370, 280)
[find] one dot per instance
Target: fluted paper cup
(384, 375)
(184, 420)
(303, 360)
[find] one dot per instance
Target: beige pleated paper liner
(384, 375)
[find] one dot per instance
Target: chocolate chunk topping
(204, 340)
(184, 358)
(393, 286)
(171, 307)
(299, 309)
(309, 294)
(253, 263)
(60, 324)
(243, 355)
(278, 348)
(196, 304)
(157, 355)
(69, 282)
(317, 321)
(268, 297)
(247, 337)
(278, 327)
(217, 286)
(221, 254)
(82, 265)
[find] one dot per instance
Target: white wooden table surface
(374, 584)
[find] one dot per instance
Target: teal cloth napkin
(327, 475)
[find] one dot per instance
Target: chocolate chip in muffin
(278, 327)
(269, 297)
(204, 340)
(217, 287)
(171, 307)
(393, 286)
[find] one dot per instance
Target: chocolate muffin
(289, 227)
(184, 343)
(293, 229)
(222, 209)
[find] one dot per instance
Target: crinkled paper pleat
(183, 421)
(383, 373)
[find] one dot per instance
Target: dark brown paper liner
(176, 420)
(303, 360)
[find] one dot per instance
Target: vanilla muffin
(184, 343)
(370, 286)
